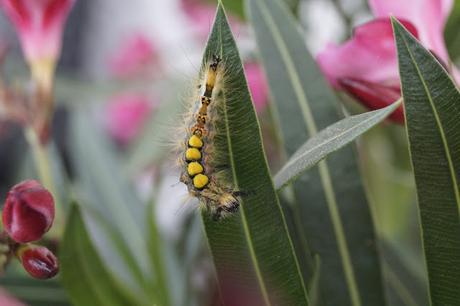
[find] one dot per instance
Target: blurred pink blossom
(126, 115)
(257, 85)
(136, 53)
(40, 24)
(7, 299)
(366, 66)
(201, 17)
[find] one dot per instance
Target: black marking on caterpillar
(205, 174)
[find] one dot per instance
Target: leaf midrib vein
(248, 235)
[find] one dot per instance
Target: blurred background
(129, 65)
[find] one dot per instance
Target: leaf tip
(220, 5)
(400, 30)
(395, 24)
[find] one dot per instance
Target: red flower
(39, 24)
(374, 95)
(28, 212)
(38, 261)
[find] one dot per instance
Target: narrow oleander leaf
(432, 104)
(313, 288)
(452, 34)
(106, 194)
(115, 217)
(234, 7)
(328, 141)
(252, 250)
(84, 275)
(330, 198)
(34, 291)
(406, 281)
(157, 255)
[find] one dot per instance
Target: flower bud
(38, 261)
(40, 24)
(28, 212)
(374, 95)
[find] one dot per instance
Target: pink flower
(28, 212)
(136, 53)
(257, 85)
(428, 17)
(38, 261)
(201, 17)
(7, 299)
(39, 24)
(374, 95)
(366, 66)
(126, 115)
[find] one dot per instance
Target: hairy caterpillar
(202, 170)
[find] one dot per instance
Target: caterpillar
(201, 168)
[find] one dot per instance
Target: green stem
(40, 156)
(44, 170)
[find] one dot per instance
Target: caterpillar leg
(228, 204)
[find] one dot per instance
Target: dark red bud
(374, 95)
(38, 261)
(28, 212)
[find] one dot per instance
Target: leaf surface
(328, 141)
(330, 199)
(432, 105)
(252, 250)
(83, 273)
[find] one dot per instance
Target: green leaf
(405, 278)
(83, 273)
(105, 196)
(329, 140)
(234, 7)
(182, 265)
(252, 250)
(313, 288)
(452, 34)
(32, 291)
(115, 217)
(156, 252)
(330, 198)
(432, 103)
